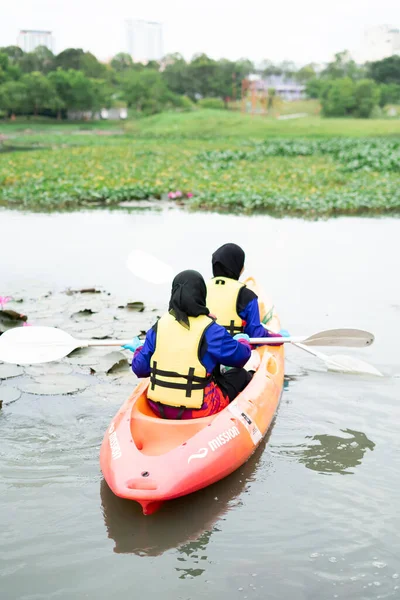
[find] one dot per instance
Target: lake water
(313, 515)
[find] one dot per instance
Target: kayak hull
(153, 460)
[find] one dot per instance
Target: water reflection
(195, 551)
(335, 454)
(186, 523)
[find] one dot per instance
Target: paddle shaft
(88, 343)
(253, 341)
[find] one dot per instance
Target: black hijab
(228, 261)
(188, 297)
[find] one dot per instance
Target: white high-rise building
(145, 40)
(378, 43)
(29, 39)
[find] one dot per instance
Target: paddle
(32, 345)
(341, 363)
(151, 269)
(148, 267)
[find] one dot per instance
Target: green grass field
(228, 161)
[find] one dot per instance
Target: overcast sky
(301, 30)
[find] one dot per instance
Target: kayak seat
(153, 435)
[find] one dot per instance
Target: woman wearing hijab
(234, 305)
(182, 354)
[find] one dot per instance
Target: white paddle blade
(349, 364)
(347, 338)
(149, 268)
(33, 345)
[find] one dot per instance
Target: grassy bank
(227, 161)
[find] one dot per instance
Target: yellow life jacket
(222, 296)
(177, 376)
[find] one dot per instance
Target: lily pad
(12, 315)
(136, 306)
(54, 368)
(9, 394)
(55, 385)
(83, 291)
(7, 371)
(99, 390)
(85, 356)
(85, 312)
(111, 362)
(101, 333)
(10, 319)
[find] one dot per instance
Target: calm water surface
(313, 515)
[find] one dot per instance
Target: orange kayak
(152, 460)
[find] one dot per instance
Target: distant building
(285, 87)
(29, 39)
(378, 43)
(145, 40)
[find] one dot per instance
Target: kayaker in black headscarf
(228, 261)
(182, 355)
(188, 297)
(233, 304)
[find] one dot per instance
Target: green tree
(147, 91)
(338, 97)
(367, 95)
(41, 59)
(41, 94)
(202, 81)
(287, 68)
(62, 83)
(8, 70)
(92, 67)
(69, 59)
(386, 70)
(78, 92)
(268, 68)
(153, 65)
(314, 87)
(224, 79)
(229, 74)
(176, 73)
(102, 93)
(343, 66)
(390, 94)
(14, 53)
(122, 62)
(13, 97)
(306, 74)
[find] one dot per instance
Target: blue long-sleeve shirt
(218, 348)
(251, 315)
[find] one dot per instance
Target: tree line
(347, 89)
(41, 83)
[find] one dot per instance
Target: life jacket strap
(194, 382)
(232, 328)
